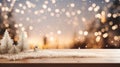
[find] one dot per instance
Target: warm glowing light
(85, 33)
(59, 32)
(103, 17)
(67, 14)
(5, 16)
(44, 6)
(0, 4)
(51, 38)
(98, 38)
(78, 12)
(114, 15)
(20, 25)
(114, 27)
(72, 5)
(58, 19)
(90, 8)
(22, 12)
(107, 1)
(49, 9)
(96, 33)
(109, 15)
(20, 5)
(3, 8)
(30, 5)
(57, 10)
(8, 0)
(80, 32)
(23, 29)
(93, 5)
(30, 27)
(105, 35)
(83, 19)
(16, 25)
(98, 16)
(96, 8)
(17, 10)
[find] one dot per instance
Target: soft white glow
(107, 1)
(59, 32)
(44, 6)
(78, 12)
(85, 33)
(30, 27)
(80, 32)
(67, 14)
(20, 25)
(90, 8)
(57, 10)
(83, 19)
(93, 5)
(72, 5)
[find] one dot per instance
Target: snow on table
(64, 56)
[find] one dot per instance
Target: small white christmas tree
(14, 50)
(22, 43)
(6, 43)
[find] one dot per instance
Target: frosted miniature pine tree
(14, 50)
(22, 43)
(6, 43)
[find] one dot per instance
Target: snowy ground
(64, 56)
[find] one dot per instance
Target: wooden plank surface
(101, 56)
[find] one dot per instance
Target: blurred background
(63, 24)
